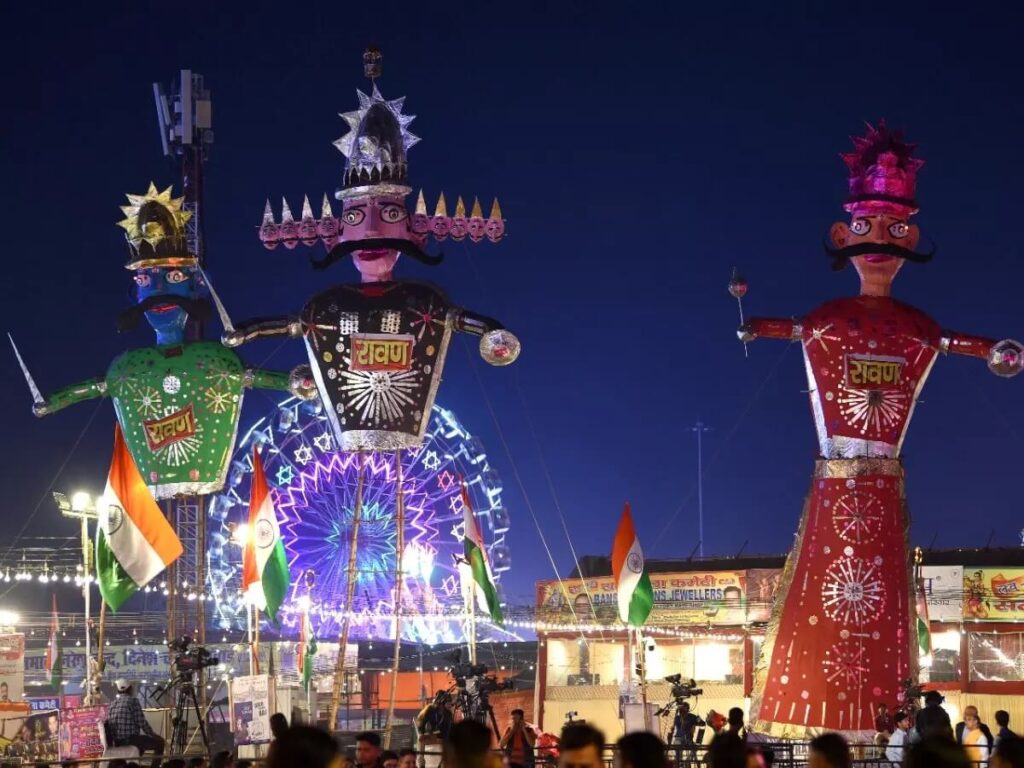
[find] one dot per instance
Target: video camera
(683, 690)
(190, 659)
(463, 671)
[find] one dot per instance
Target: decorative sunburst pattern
(872, 411)
(219, 400)
(148, 401)
(853, 592)
(380, 396)
(857, 517)
(315, 493)
(845, 663)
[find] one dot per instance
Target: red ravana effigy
(841, 638)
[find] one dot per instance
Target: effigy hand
(1006, 358)
(746, 333)
(500, 347)
(301, 382)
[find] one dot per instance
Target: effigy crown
(883, 172)
(154, 226)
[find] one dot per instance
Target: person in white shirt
(898, 742)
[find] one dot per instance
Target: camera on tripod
(187, 658)
(462, 671)
(683, 690)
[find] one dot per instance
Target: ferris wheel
(315, 488)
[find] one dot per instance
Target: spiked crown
(376, 146)
(883, 173)
(154, 226)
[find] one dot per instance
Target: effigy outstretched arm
(498, 345)
(261, 327)
(1005, 358)
(89, 389)
(770, 328)
(299, 381)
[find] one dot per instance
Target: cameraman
(434, 726)
(518, 742)
(686, 724)
(128, 723)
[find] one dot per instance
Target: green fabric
(153, 385)
(275, 579)
(307, 661)
(116, 586)
(478, 566)
(642, 601)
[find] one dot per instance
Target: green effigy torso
(178, 407)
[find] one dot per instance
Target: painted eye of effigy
(142, 281)
(860, 226)
(176, 276)
(899, 229)
(392, 214)
(353, 216)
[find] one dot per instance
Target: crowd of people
(899, 732)
(926, 737)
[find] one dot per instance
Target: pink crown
(883, 174)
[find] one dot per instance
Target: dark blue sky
(639, 152)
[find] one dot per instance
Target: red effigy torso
(840, 639)
(867, 360)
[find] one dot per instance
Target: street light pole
(82, 507)
(700, 429)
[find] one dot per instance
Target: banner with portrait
(12, 673)
(30, 738)
(718, 597)
(251, 706)
(80, 732)
(994, 594)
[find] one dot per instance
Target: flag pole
(350, 586)
(86, 588)
(256, 638)
(400, 551)
(100, 662)
(643, 671)
(249, 607)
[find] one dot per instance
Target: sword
(37, 396)
(221, 311)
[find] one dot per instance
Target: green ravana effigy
(178, 402)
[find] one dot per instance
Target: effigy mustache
(841, 255)
(198, 309)
(403, 246)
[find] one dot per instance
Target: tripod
(186, 701)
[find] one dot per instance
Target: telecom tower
(185, 121)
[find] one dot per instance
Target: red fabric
(843, 640)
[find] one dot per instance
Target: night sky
(638, 153)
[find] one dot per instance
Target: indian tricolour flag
(53, 661)
(265, 577)
(134, 541)
(476, 562)
(632, 583)
(924, 632)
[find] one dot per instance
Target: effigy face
(167, 318)
(373, 221)
(867, 360)
(377, 351)
(178, 408)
